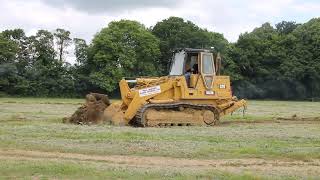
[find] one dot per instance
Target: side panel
(138, 101)
(221, 89)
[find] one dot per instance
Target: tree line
(280, 62)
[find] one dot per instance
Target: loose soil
(92, 111)
(297, 118)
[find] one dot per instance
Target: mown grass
(31, 100)
(295, 141)
(35, 124)
(35, 169)
(267, 110)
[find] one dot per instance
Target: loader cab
(194, 64)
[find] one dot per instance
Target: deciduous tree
(63, 40)
(124, 48)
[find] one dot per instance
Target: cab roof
(191, 50)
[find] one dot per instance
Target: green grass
(35, 124)
(235, 141)
(266, 110)
(95, 170)
(41, 101)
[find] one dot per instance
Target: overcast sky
(86, 17)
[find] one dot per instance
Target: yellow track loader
(194, 93)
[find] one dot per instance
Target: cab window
(191, 64)
(207, 64)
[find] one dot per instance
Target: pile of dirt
(92, 111)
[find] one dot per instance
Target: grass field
(34, 144)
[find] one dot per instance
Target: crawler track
(176, 114)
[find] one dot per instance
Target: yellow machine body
(185, 97)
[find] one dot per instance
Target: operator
(188, 74)
(195, 69)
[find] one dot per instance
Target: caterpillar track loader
(194, 93)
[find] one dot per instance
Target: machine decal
(209, 92)
(149, 91)
(222, 86)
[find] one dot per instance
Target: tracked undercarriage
(176, 114)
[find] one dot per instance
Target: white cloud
(114, 6)
(85, 18)
(308, 7)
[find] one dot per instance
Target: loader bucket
(114, 114)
